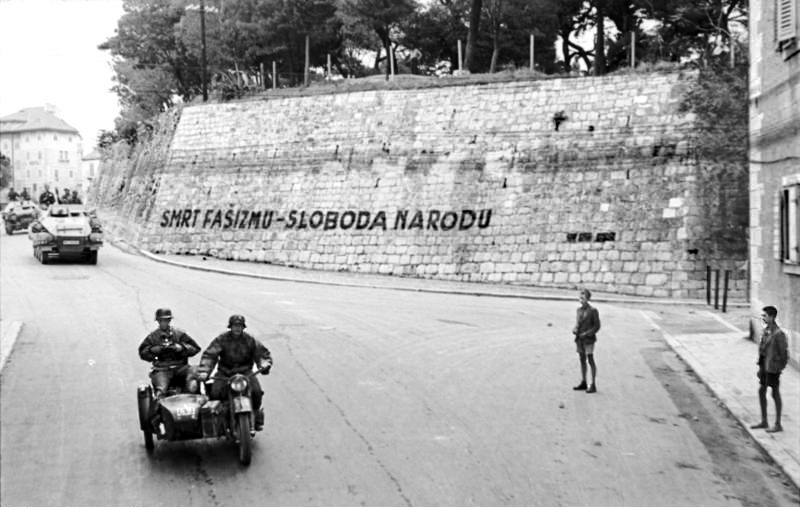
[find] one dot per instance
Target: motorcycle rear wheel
(243, 422)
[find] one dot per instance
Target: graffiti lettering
(326, 220)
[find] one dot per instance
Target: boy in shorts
(586, 327)
(773, 355)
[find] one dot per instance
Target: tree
(434, 34)
(384, 17)
(6, 173)
(509, 24)
(472, 35)
(572, 19)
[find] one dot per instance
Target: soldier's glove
(177, 347)
(157, 349)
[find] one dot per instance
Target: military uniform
(231, 355)
(47, 198)
(169, 365)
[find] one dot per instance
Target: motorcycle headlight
(239, 384)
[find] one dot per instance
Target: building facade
(42, 149)
(775, 163)
(90, 167)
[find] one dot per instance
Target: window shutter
(787, 20)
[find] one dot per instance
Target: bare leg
(762, 401)
(590, 358)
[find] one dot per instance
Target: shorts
(769, 379)
(584, 348)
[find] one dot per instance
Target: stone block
(656, 279)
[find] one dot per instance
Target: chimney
(51, 108)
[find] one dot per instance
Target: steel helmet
(163, 313)
(236, 319)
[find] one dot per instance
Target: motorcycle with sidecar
(181, 415)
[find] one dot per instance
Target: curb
(479, 293)
(10, 333)
(768, 445)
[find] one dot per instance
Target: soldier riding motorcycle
(234, 408)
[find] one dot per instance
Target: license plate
(185, 411)
(72, 242)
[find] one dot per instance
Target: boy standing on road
(586, 327)
(773, 355)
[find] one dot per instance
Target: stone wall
(562, 182)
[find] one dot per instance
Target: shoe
(580, 387)
(759, 426)
(775, 429)
(592, 389)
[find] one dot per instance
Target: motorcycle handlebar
(249, 374)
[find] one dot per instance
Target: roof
(93, 155)
(32, 119)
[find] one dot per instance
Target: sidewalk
(9, 330)
(724, 361)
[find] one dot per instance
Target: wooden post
(531, 57)
(308, 58)
(733, 53)
(460, 61)
(725, 291)
(391, 61)
(716, 289)
(708, 285)
(633, 49)
(263, 76)
(274, 75)
(329, 66)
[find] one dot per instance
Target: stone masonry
(564, 182)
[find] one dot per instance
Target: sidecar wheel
(148, 440)
(243, 421)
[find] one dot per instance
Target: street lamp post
(203, 53)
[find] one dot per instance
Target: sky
(49, 55)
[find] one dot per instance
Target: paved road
(377, 397)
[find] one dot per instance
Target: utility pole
(203, 54)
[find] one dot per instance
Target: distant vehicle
(66, 231)
(18, 215)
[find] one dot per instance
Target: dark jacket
(47, 198)
(167, 358)
(234, 355)
(587, 324)
(773, 350)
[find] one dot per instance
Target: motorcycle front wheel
(243, 422)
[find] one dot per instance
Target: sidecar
(179, 416)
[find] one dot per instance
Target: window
(790, 222)
(786, 27)
(786, 20)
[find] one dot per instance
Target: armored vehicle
(66, 231)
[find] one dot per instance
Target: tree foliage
(157, 48)
(718, 98)
(6, 174)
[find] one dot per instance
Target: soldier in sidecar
(180, 413)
